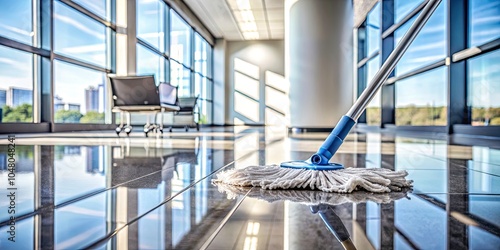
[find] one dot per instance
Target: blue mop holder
(319, 160)
(333, 141)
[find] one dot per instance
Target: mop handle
(389, 65)
(339, 133)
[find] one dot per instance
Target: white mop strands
(377, 180)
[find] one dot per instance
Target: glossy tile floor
(93, 190)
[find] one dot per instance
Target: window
(150, 63)
(428, 47)
(151, 23)
(404, 7)
(181, 77)
(180, 39)
(79, 37)
(373, 112)
(484, 89)
(16, 90)
(369, 34)
(484, 21)
(421, 99)
(200, 55)
(98, 7)
(16, 21)
(79, 94)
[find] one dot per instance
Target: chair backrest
(168, 93)
(134, 90)
(188, 102)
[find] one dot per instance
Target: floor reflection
(157, 194)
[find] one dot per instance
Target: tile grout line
(115, 232)
(223, 222)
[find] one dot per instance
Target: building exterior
(92, 98)
(19, 96)
(3, 97)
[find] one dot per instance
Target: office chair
(139, 94)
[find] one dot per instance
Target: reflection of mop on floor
(310, 197)
(320, 203)
(317, 172)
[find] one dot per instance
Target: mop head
(376, 180)
(310, 197)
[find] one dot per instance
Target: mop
(316, 172)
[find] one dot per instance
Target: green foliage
(421, 116)
(67, 116)
(485, 116)
(21, 113)
(203, 119)
(373, 116)
(92, 117)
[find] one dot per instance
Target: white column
(318, 60)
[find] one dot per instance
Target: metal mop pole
(319, 161)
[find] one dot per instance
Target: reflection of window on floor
(181, 209)
(202, 169)
(251, 238)
(411, 218)
(25, 179)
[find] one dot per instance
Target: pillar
(318, 61)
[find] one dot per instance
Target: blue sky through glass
(180, 39)
(78, 36)
(151, 22)
(422, 90)
(149, 63)
(71, 81)
(430, 44)
(404, 7)
(15, 68)
(16, 20)
(484, 80)
(484, 24)
(98, 7)
(373, 29)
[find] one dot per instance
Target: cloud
(79, 26)
(17, 30)
(85, 49)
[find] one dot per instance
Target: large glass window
(180, 39)
(369, 34)
(422, 99)
(16, 89)
(200, 55)
(181, 77)
(430, 44)
(484, 89)
(151, 23)
(98, 7)
(16, 20)
(373, 112)
(149, 63)
(79, 37)
(484, 21)
(403, 7)
(79, 94)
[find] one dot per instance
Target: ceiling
(236, 20)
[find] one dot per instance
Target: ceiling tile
(276, 25)
(275, 3)
(275, 14)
